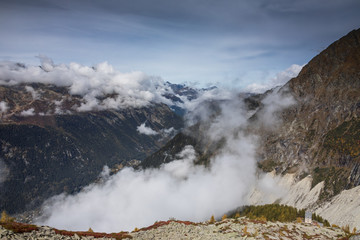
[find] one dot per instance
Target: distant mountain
(47, 147)
(183, 91)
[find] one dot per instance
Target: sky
(230, 43)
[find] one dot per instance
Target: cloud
(280, 79)
(101, 86)
(3, 107)
(180, 189)
(272, 34)
(139, 198)
(198, 109)
(47, 63)
(35, 95)
(27, 113)
(142, 129)
(168, 131)
(273, 103)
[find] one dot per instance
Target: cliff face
(53, 149)
(320, 133)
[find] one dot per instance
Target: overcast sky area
(204, 42)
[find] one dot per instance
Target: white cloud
(142, 129)
(134, 89)
(3, 107)
(280, 79)
(29, 112)
(139, 198)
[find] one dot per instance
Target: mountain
(320, 133)
(307, 132)
(314, 147)
(48, 147)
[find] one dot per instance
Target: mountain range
(311, 136)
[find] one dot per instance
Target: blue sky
(229, 42)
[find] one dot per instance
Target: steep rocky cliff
(320, 134)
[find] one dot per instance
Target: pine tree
(5, 217)
(212, 219)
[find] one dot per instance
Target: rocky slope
(315, 153)
(342, 210)
(239, 228)
(320, 133)
(47, 147)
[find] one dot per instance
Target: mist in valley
(180, 189)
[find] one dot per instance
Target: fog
(179, 189)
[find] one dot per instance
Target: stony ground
(241, 228)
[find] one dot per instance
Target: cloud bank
(101, 86)
(179, 189)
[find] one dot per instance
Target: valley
(199, 152)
